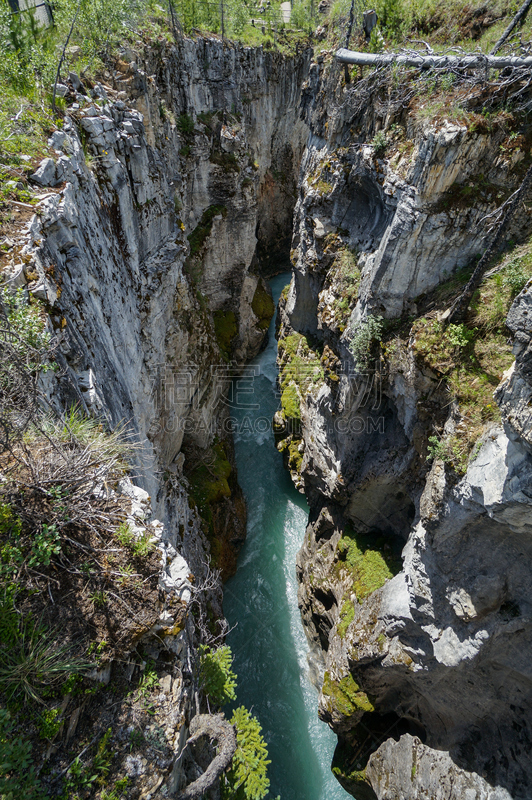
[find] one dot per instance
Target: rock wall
(147, 251)
(414, 583)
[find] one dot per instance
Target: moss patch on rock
(295, 458)
(290, 403)
(349, 775)
(347, 615)
(345, 695)
(262, 306)
(209, 480)
(197, 239)
(369, 560)
(226, 329)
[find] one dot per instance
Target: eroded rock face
(150, 255)
(414, 583)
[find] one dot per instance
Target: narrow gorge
(389, 449)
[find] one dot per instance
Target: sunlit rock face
(414, 582)
(170, 200)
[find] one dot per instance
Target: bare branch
(517, 20)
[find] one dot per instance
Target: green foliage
(32, 551)
(17, 773)
(148, 682)
(26, 320)
(35, 662)
(185, 124)
(345, 275)
(49, 723)
(46, 543)
(515, 277)
(140, 546)
(262, 306)
(225, 328)
(366, 333)
(125, 535)
(290, 402)
(391, 16)
(301, 16)
(83, 777)
(117, 791)
(347, 615)
(216, 674)
(459, 335)
(370, 560)
(380, 143)
(247, 777)
(451, 450)
(345, 695)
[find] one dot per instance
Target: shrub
(25, 321)
(380, 143)
(17, 773)
(369, 560)
(216, 674)
(367, 332)
(247, 777)
(185, 124)
(515, 277)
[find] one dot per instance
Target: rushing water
(268, 642)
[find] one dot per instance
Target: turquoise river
(268, 642)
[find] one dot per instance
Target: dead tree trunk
(460, 306)
(431, 61)
(517, 20)
(218, 729)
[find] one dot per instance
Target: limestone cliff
(170, 196)
(414, 583)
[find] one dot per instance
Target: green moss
(464, 195)
(227, 161)
(352, 776)
(295, 458)
(347, 615)
(209, 481)
(370, 560)
(201, 232)
(345, 275)
(290, 403)
(345, 695)
(471, 358)
(262, 306)
(226, 329)
(299, 363)
(197, 239)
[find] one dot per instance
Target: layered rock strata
(171, 179)
(414, 580)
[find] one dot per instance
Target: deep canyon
(197, 171)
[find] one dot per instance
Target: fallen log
(217, 729)
(469, 61)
